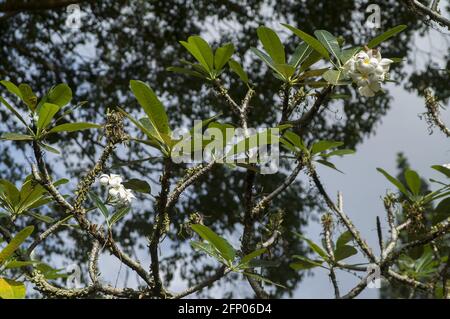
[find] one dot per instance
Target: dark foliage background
(123, 40)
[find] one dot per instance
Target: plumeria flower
(117, 192)
(115, 180)
(104, 179)
(367, 69)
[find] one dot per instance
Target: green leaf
(152, 107)
(266, 59)
(329, 164)
(12, 88)
(256, 140)
(207, 248)
(344, 251)
(200, 50)
(334, 77)
(223, 246)
(28, 97)
(14, 111)
(272, 44)
(443, 208)
(413, 181)
(72, 127)
(347, 54)
(442, 169)
(300, 54)
(19, 264)
(339, 153)
(60, 95)
(16, 137)
(100, 205)
(285, 70)
(237, 68)
(316, 248)
(263, 279)
(185, 71)
(15, 243)
(46, 114)
(344, 238)
(313, 42)
(304, 263)
(321, 146)
(247, 258)
(11, 191)
(11, 289)
(137, 185)
(121, 213)
(394, 181)
(386, 35)
(330, 42)
(49, 148)
(223, 55)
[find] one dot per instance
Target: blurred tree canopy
(136, 39)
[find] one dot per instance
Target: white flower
(104, 180)
(446, 165)
(115, 180)
(117, 192)
(367, 70)
(114, 192)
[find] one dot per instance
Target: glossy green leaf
(321, 146)
(344, 238)
(303, 263)
(347, 54)
(14, 111)
(386, 35)
(334, 77)
(223, 55)
(28, 97)
(121, 213)
(15, 243)
(49, 148)
(11, 289)
(330, 42)
(137, 185)
(442, 169)
(272, 44)
(301, 53)
(247, 258)
(394, 181)
(185, 71)
(12, 88)
(223, 246)
(100, 205)
(16, 137)
(413, 181)
(72, 127)
(207, 248)
(200, 50)
(339, 153)
(60, 95)
(313, 42)
(329, 164)
(344, 251)
(11, 191)
(152, 107)
(46, 114)
(237, 68)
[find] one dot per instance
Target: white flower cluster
(119, 194)
(368, 69)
